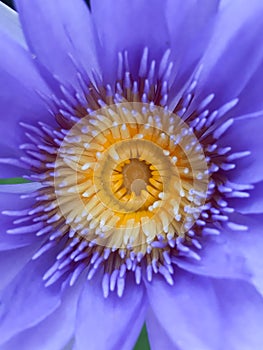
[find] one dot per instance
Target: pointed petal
(10, 201)
(53, 332)
(109, 323)
(56, 30)
(26, 301)
(241, 314)
(202, 313)
(251, 205)
(10, 24)
(187, 311)
(245, 135)
(129, 31)
(218, 259)
(13, 261)
(234, 53)
(19, 101)
(190, 26)
(158, 337)
(233, 254)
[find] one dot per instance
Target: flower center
(129, 174)
(134, 175)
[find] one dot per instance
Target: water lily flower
(138, 125)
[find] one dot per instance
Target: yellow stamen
(127, 180)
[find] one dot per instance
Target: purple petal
(56, 30)
(13, 261)
(10, 201)
(19, 100)
(158, 337)
(233, 254)
(26, 301)
(251, 205)
(130, 27)
(187, 311)
(245, 135)
(234, 53)
(202, 313)
(20, 188)
(241, 315)
(219, 258)
(10, 24)
(15, 250)
(52, 333)
(109, 323)
(250, 246)
(250, 99)
(190, 28)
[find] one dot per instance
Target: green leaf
(14, 180)
(142, 342)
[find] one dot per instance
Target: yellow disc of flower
(129, 173)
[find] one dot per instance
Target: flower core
(129, 174)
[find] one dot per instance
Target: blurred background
(8, 2)
(11, 3)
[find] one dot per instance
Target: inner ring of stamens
(147, 172)
(128, 173)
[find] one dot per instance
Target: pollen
(129, 174)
